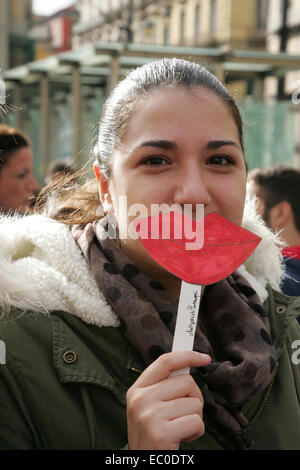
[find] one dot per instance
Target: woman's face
(17, 183)
(181, 147)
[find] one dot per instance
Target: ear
(280, 215)
(104, 191)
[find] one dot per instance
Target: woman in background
(17, 182)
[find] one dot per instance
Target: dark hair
(164, 73)
(11, 139)
(65, 167)
(80, 205)
(277, 184)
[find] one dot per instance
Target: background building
(16, 47)
(53, 34)
(235, 23)
(283, 35)
(230, 24)
(82, 51)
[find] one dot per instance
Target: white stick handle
(186, 322)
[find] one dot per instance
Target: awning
(102, 64)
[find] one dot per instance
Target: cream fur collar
(42, 268)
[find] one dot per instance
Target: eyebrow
(215, 144)
(162, 144)
(169, 145)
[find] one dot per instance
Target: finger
(175, 387)
(186, 428)
(180, 407)
(169, 362)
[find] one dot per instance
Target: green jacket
(64, 384)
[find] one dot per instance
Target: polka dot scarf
(233, 330)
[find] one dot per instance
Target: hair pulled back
(80, 204)
(162, 73)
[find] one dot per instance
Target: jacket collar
(36, 251)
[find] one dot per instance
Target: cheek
(231, 200)
(7, 187)
(127, 193)
(17, 189)
(10, 195)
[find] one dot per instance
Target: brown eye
(221, 160)
(22, 175)
(155, 160)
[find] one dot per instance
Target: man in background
(278, 192)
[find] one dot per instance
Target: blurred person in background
(61, 174)
(17, 182)
(278, 192)
(58, 169)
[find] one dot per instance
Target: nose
(32, 185)
(191, 187)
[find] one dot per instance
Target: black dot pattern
(247, 290)
(110, 268)
(265, 336)
(130, 270)
(156, 285)
(259, 309)
(113, 293)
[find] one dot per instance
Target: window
(197, 20)
(261, 13)
(166, 34)
(182, 24)
(213, 16)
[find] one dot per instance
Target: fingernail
(205, 356)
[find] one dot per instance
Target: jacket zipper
(135, 370)
(264, 400)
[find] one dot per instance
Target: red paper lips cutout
(224, 247)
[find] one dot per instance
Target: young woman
(17, 182)
(88, 320)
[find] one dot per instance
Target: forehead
(180, 110)
(20, 157)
